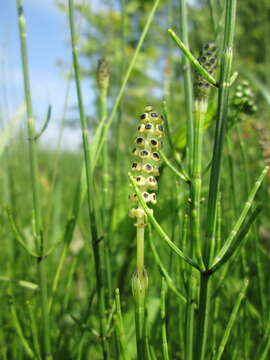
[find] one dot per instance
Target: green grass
(77, 279)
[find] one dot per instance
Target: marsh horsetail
(145, 169)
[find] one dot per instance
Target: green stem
(196, 180)
(203, 317)
(195, 191)
(35, 186)
(187, 82)
(90, 187)
(139, 287)
(140, 248)
(223, 98)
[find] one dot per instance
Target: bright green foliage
(68, 246)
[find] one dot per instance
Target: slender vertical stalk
(187, 81)
(90, 186)
(139, 288)
(215, 323)
(196, 176)
(195, 190)
(35, 186)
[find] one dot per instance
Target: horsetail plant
(145, 168)
(38, 230)
(207, 59)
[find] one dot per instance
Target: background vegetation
(84, 319)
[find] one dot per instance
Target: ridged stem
(35, 186)
(203, 317)
(200, 106)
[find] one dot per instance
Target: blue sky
(47, 40)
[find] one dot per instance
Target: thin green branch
(163, 271)
(237, 241)
(230, 243)
(170, 166)
(194, 62)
